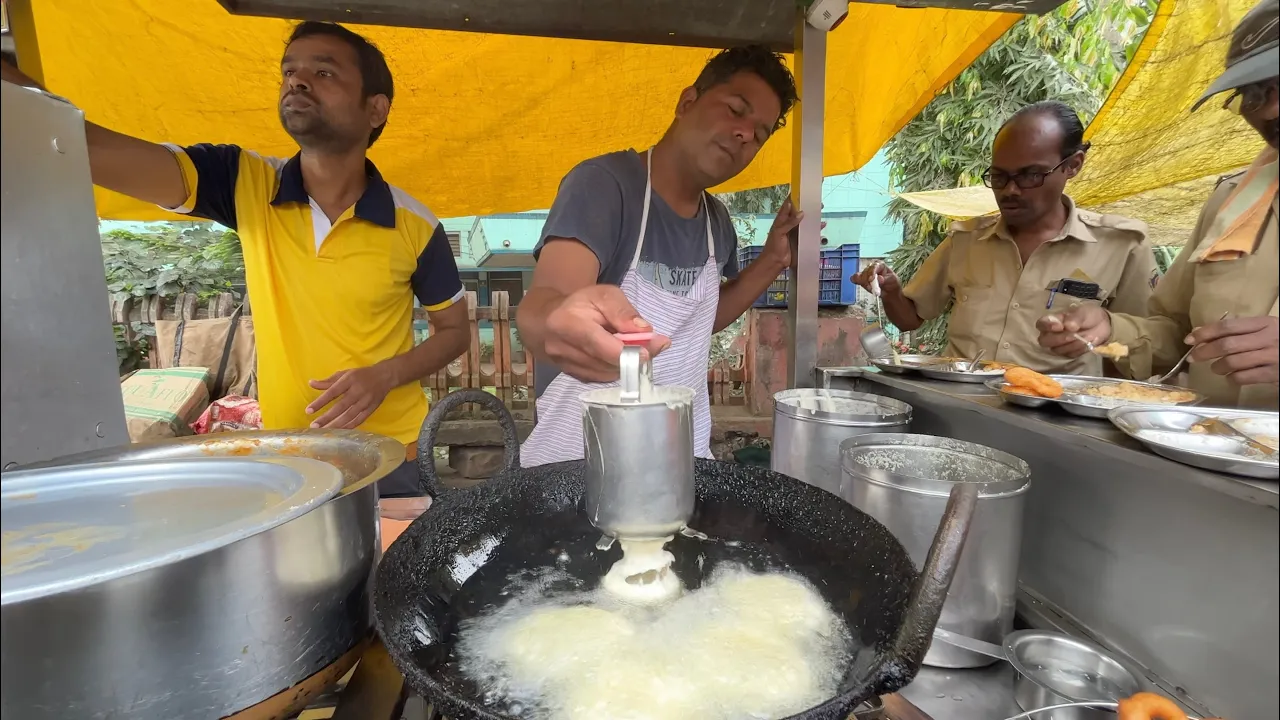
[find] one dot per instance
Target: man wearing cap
(1229, 266)
(1000, 273)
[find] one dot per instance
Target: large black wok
(518, 516)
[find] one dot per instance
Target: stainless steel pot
(809, 425)
(226, 631)
(904, 480)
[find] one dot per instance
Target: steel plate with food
(1178, 434)
(1095, 396)
(940, 368)
(1015, 395)
(903, 364)
(1083, 395)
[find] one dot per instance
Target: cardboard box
(163, 403)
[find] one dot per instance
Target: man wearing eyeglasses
(1220, 294)
(1041, 253)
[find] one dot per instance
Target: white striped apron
(687, 319)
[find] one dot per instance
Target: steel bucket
(904, 481)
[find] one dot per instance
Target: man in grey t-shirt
(634, 243)
(590, 208)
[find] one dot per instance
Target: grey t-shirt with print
(600, 203)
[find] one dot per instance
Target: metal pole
(806, 194)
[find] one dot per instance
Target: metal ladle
(1038, 657)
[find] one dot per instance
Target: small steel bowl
(1053, 668)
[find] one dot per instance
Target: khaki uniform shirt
(1191, 295)
(998, 301)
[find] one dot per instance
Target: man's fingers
(619, 315)
(1225, 328)
(1073, 349)
(658, 344)
(1227, 345)
(1256, 375)
(785, 208)
(349, 420)
(326, 382)
(1050, 324)
(790, 224)
(1063, 344)
(333, 413)
(587, 352)
(333, 392)
(1242, 361)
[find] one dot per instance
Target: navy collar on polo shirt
(376, 204)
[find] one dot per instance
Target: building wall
(866, 189)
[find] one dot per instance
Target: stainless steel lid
(72, 527)
(362, 458)
(841, 407)
(931, 465)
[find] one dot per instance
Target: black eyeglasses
(1025, 180)
(1250, 98)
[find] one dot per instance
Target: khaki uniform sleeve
(1133, 292)
(1155, 341)
(929, 288)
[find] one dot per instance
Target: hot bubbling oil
(744, 645)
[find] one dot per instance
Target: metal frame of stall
(48, 238)
(41, 402)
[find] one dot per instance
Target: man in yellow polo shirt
(334, 256)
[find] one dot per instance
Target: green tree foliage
(195, 259)
(1074, 54)
(179, 258)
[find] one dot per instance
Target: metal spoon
(1218, 426)
(1162, 379)
(1081, 338)
(974, 363)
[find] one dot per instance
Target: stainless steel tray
(936, 368)
(1165, 431)
(905, 363)
(959, 371)
(1031, 401)
(1074, 401)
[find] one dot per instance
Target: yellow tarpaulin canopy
(1152, 158)
(480, 123)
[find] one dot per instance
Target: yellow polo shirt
(325, 297)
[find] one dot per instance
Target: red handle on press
(640, 338)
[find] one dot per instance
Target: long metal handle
(930, 591)
(635, 380)
(967, 643)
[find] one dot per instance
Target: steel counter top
(1055, 425)
(1126, 542)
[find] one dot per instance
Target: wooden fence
(503, 367)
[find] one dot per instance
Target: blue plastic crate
(835, 288)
